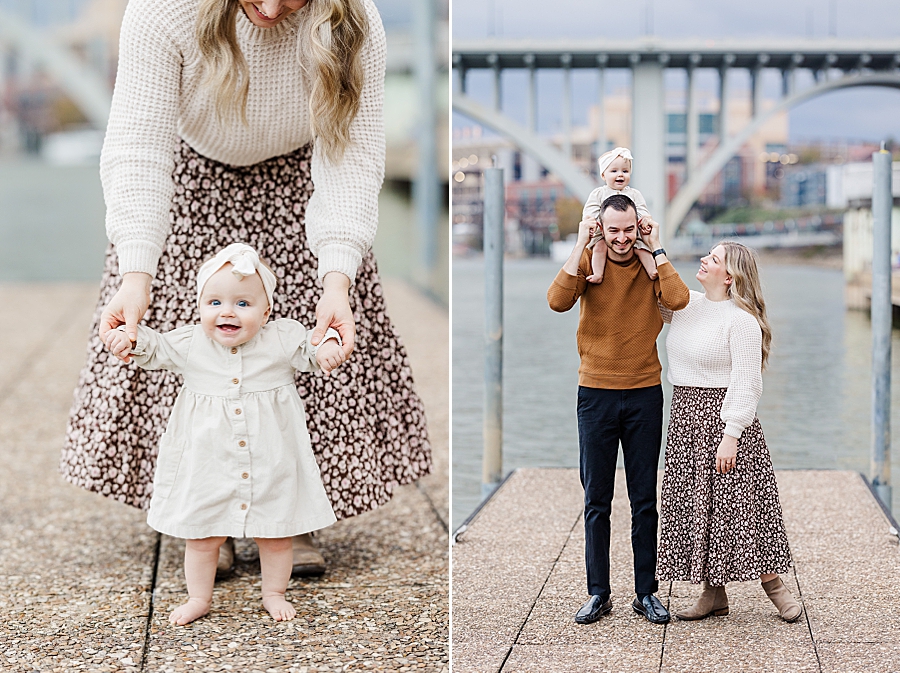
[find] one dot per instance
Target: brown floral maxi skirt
(717, 527)
(366, 422)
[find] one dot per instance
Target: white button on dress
(236, 458)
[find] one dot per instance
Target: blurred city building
(703, 152)
(536, 199)
(824, 175)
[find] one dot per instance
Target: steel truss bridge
(834, 64)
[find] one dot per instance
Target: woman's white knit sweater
(715, 344)
(159, 97)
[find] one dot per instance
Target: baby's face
(618, 174)
(232, 309)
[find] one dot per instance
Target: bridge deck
(518, 577)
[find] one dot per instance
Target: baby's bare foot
(279, 608)
(193, 609)
(594, 278)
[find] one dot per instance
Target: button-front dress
(179, 187)
(236, 458)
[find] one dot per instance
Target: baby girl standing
(236, 459)
(615, 171)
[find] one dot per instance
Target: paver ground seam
(538, 596)
(662, 646)
(145, 650)
(434, 508)
(812, 636)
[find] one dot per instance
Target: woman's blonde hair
(335, 31)
(745, 290)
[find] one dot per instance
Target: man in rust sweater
(619, 394)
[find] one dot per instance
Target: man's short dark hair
(618, 202)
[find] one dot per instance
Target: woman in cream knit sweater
(720, 513)
(224, 116)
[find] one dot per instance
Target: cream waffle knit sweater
(158, 97)
(715, 344)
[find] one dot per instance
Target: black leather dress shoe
(652, 609)
(593, 610)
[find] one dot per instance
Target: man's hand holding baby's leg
(330, 356)
(119, 344)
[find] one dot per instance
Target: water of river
(52, 228)
(815, 409)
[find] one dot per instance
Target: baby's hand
(330, 356)
(119, 344)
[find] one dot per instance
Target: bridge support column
(495, 66)
(692, 126)
(531, 169)
(648, 136)
(723, 105)
(756, 91)
(601, 107)
(460, 83)
(567, 105)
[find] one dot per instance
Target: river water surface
(815, 408)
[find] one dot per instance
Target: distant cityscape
(770, 177)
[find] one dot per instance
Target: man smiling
(619, 394)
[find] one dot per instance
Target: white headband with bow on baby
(244, 261)
(606, 159)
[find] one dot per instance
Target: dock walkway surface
(86, 585)
(518, 579)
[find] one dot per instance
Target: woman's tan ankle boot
(712, 601)
(787, 605)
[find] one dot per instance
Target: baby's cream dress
(236, 458)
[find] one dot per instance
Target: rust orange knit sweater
(619, 320)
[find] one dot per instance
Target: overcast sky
(861, 114)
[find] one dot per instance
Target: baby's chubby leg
(598, 262)
(200, 558)
(276, 560)
(647, 260)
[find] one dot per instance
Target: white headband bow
(606, 159)
(244, 261)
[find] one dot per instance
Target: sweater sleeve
(566, 289)
(745, 386)
(138, 152)
(591, 210)
(295, 343)
(342, 215)
(167, 351)
(640, 204)
(671, 292)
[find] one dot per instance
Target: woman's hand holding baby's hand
(330, 356)
(119, 344)
(127, 306)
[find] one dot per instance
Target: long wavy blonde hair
(335, 32)
(745, 289)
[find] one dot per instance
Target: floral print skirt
(366, 422)
(717, 527)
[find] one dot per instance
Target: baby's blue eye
(214, 302)
(243, 304)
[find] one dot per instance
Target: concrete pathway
(518, 578)
(85, 584)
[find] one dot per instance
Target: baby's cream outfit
(236, 458)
